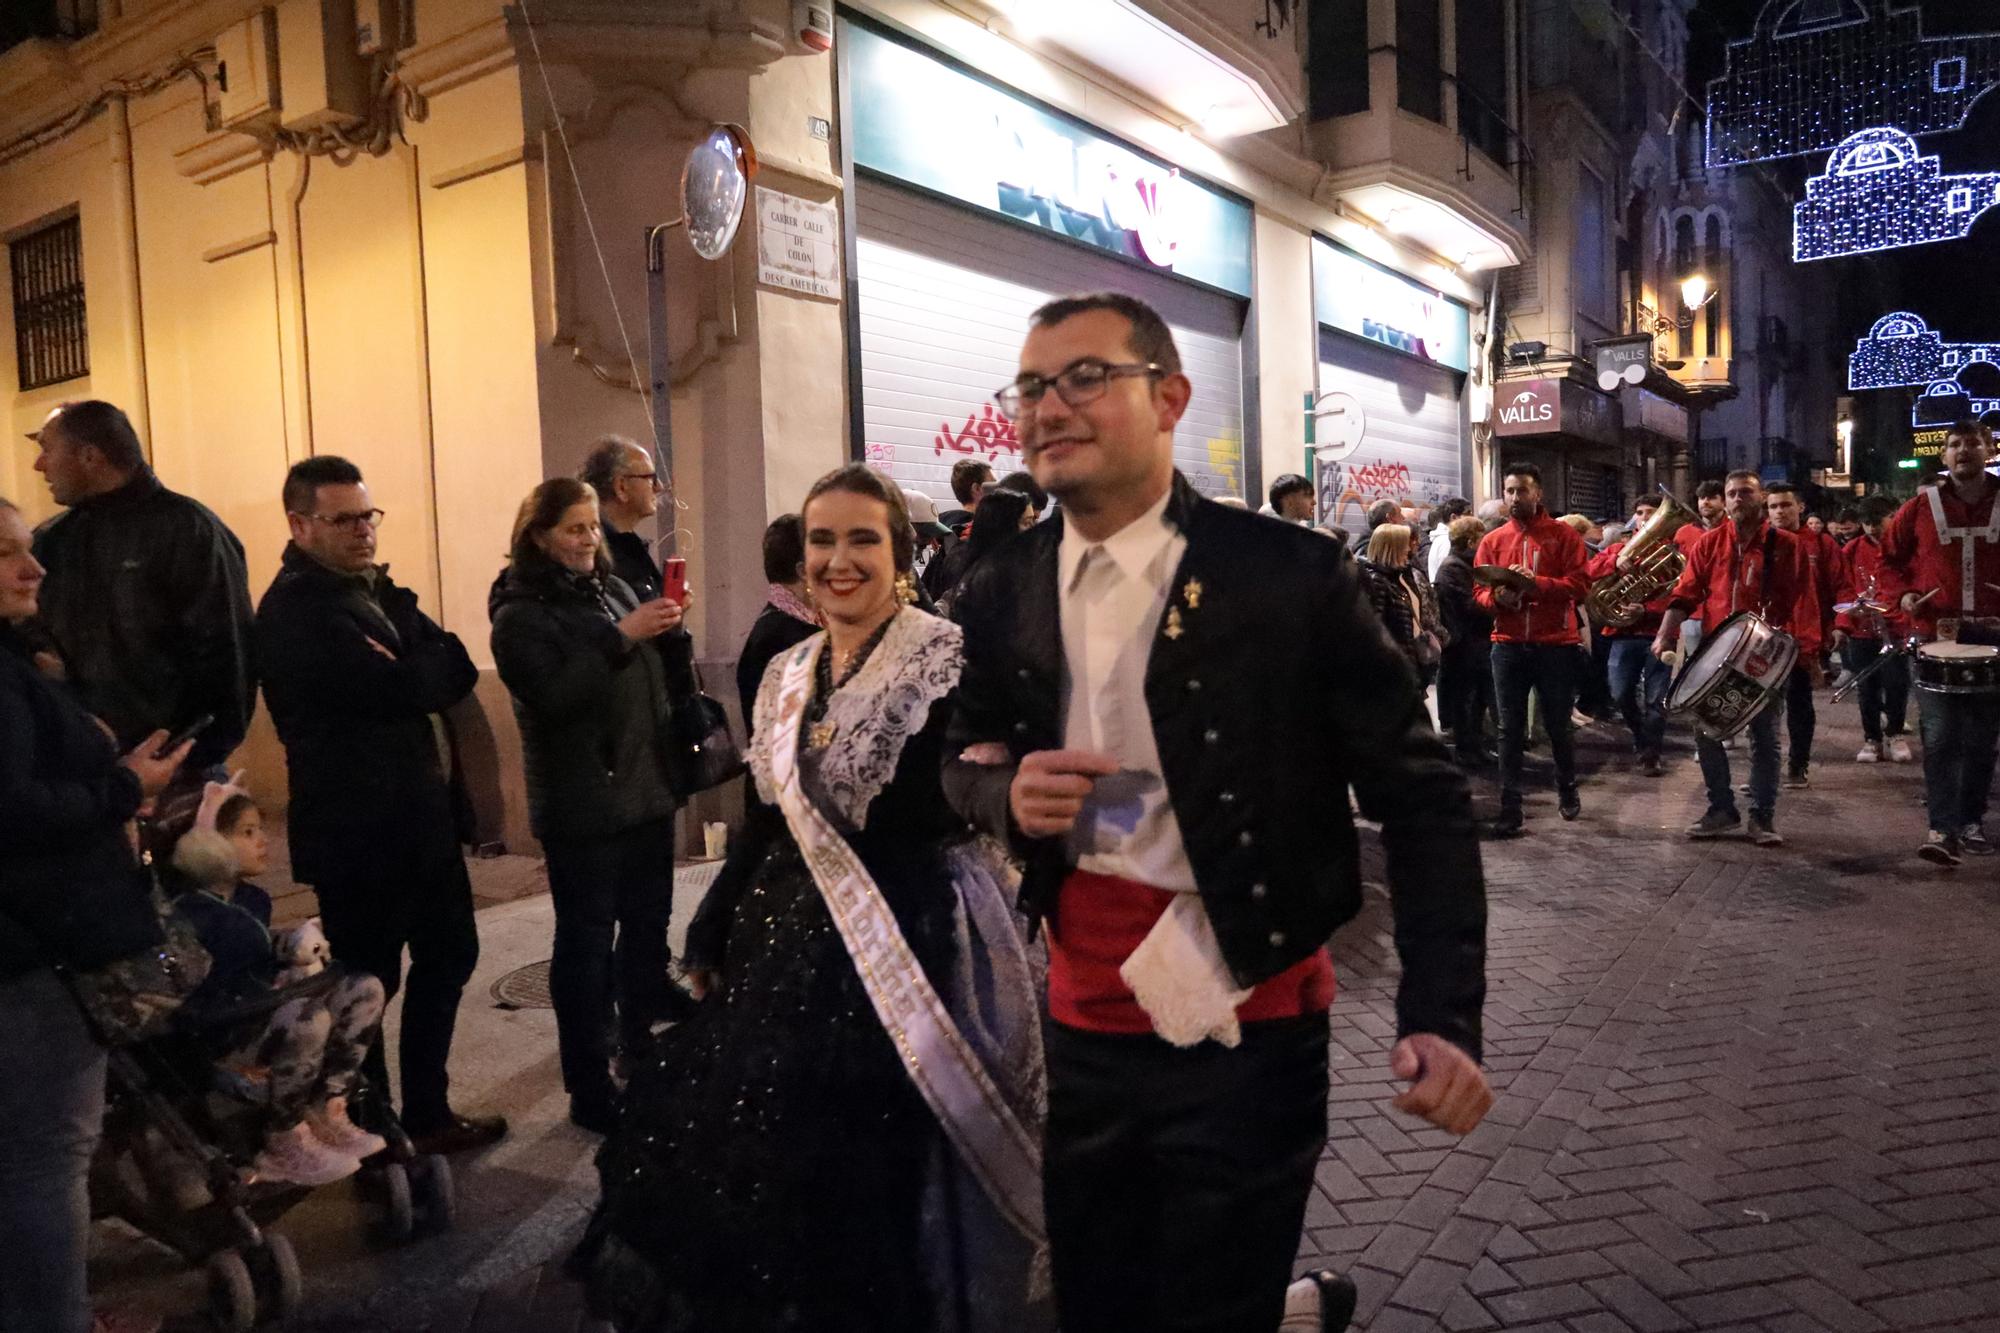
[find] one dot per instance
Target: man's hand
(1815, 672)
(1510, 598)
(702, 980)
(1837, 642)
(1665, 648)
(51, 666)
(1450, 1090)
(155, 773)
(1050, 787)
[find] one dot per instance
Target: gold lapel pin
(1191, 590)
(1173, 629)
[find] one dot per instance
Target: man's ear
(1171, 398)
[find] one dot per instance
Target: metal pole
(660, 373)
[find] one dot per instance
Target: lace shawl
(872, 715)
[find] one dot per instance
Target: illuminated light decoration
(1952, 400)
(1815, 72)
(1880, 193)
(1901, 351)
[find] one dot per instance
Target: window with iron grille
(51, 342)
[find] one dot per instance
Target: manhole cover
(524, 988)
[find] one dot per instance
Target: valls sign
(1533, 407)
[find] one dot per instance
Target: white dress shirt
(1113, 594)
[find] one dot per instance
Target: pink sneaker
(331, 1127)
(294, 1157)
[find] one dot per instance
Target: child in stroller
(307, 1054)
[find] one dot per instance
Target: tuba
(1649, 564)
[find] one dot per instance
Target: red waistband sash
(1100, 920)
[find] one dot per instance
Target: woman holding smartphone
(72, 895)
(595, 674)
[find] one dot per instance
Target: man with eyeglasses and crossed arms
(1190, 847)
(353, 675)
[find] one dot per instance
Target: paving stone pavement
(1737, 1088)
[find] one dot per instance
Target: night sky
(1954, 286)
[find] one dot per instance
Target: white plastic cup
(715, 840)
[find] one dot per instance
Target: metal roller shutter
(945, 296)
(1410, 451)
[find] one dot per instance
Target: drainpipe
(125, 260)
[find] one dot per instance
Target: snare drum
(1738, 671)
(1957, 668)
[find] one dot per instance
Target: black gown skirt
(772, 1157)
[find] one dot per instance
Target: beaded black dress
(776, 1168)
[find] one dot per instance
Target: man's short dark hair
(1962, 426)
(1454, 507)
(1528, 470)
(1874, 509)
(302, 483)
(1849, 514)
(605, 462)
(784, 548)
(967, 473)
(1024, 483)
(1152, 341)
(1781, 488)
(105, 428)
(1708, 490)
(1289, 484)
(1743, 474)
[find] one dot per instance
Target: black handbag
(697, 748)
(137, 997)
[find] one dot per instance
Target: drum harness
(1968, 539)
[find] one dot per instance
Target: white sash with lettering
(991, 1141)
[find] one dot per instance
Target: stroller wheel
(397, 1221)
(276, 1270)
(436, 1196)
(232, 1296)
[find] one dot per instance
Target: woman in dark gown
(778, 1167)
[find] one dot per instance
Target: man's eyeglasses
(650, 478)
(1076, 384)
(349, 523)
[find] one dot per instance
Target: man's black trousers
(426, 906)
(1176, 1179)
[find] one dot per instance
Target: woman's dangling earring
(906, 589)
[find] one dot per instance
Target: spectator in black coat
(595, 674)
(1465, 674)
(628, 487)
(355, 677)
(1002, 514)
(147, 602)
(72, 894)
(787, 618)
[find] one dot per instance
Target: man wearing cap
(934, 540)
(146, 609)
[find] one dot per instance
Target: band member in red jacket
(1534, 637)
(1747, 564)
(1945, 546)
(1639, 680)
(1862, 636)
(1824, 564)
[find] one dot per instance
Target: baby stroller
(179, 1134)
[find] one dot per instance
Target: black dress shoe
(1337, 1298)
(1569, 804)
(459, 1133)
(1506, 824)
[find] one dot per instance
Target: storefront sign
(1552, 407)
(921, 120)
(1358, 297)
(1927, 443)
(1623, 361)
(798, 244)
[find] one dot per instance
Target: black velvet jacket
(1279, 695)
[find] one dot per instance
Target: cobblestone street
(1738, 1089)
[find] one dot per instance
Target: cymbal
(1499, 576)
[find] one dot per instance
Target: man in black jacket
(355, 676)
(628, 493)
(147, 603)
(1117, 725)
